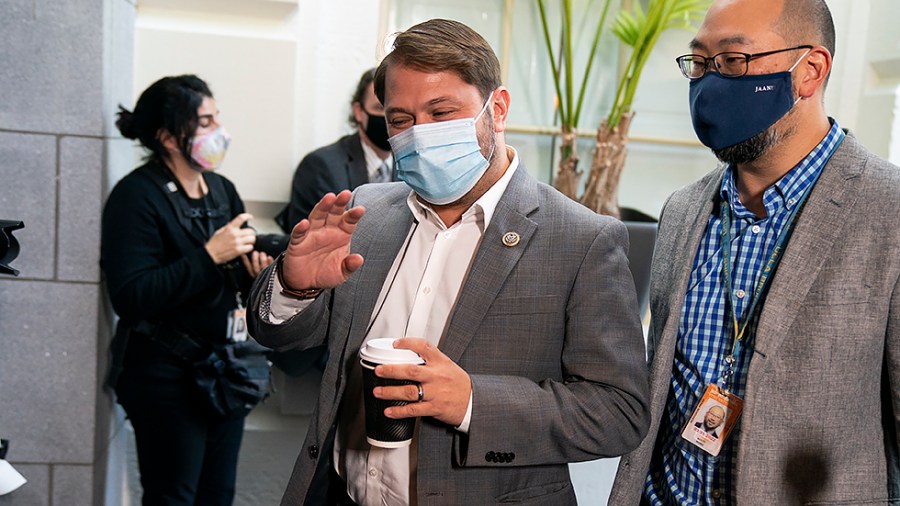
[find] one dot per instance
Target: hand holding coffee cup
(446, 387)
(382, 431)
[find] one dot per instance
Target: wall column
(66, 65)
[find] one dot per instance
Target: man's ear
(500, 108)
(358, 113)
(814, 71)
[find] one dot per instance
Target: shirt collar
(788, 190)
(373, 161)
(483, 208)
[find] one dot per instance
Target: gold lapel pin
(510, 239)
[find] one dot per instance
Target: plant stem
(590, 62)
(567, 26)
(556, 70)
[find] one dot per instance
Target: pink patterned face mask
(208, 150)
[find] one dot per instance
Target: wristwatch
(309, 293)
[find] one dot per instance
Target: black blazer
(153, 257)
(336, 167)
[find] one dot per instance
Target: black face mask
(376, 131)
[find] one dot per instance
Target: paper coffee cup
(382, 431)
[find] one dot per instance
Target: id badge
(237, 325)
(713, 419)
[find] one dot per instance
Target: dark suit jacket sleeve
(312, 180)
(601, 407)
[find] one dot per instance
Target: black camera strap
(216, 206)
(178, 343)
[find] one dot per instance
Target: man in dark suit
(519, 300)
(776, 277)
(359, 158)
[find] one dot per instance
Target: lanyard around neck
(768, 270)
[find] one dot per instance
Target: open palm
(318, 255)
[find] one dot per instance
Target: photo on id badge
(237, 325)
(711, 423)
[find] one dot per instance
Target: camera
(9, 246)
(271, 244)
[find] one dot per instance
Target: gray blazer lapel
(820, 222)
(493, 261)
(379, 247)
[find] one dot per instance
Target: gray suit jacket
(823, 390)
(548, 331)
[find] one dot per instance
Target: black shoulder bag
(230, 379)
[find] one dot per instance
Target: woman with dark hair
(178, 261)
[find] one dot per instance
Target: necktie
(383, 175)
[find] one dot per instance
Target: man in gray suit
(791, 310)
(359, 158)
(519, 300)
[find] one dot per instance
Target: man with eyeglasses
(774, 284)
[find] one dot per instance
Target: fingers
(350, 218)
(299, 231)
(248, 264)
(244, 239)
(446, 387)
(331, 205)
(321, 209)
(332, 210)
(336, 212)
(255, 262)
(239, 220)
(425, 349)
(412, 372)
(351, 264)
(230, 241)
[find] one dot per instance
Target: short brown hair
(359, 96)
(441, 45)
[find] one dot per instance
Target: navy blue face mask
(729, 110)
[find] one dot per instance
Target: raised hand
(318, 255)
(231, 240)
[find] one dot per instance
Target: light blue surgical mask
(441, 161)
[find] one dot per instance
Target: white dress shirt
(415, 301)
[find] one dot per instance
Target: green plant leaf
(637, 28)
(640, 31)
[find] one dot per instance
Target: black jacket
(153, 256)
(336, 167)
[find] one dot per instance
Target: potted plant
(638, 29)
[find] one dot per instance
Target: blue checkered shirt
(681, 473)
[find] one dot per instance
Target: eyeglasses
(728, 64)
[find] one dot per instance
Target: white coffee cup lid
(382, 351)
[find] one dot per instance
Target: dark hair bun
(126, 124)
